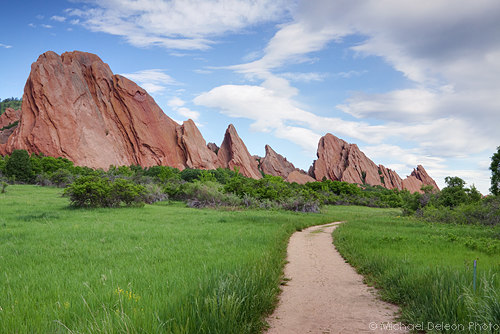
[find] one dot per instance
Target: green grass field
(427, 268)
(161, 268)
(166, 268)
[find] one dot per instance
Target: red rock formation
(341, 161)
(299, 177)
(234, 153)
(7, 119)
(74, 107)
(275, 164)
(417, 179)
(9, 116)
(389, 178)
(213, 147)
(198, 155)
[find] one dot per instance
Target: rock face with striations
(233, 153)
(417, 179)
(277, 165)
(341, 161)
(8, 123)
(75, 107)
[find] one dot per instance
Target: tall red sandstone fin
(341, 161)
(234, 153)
(417, 179)
(198, 155)
(389, 178)
(275, 164)
(74, 107)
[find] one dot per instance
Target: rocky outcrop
(8, 122)
(213, 147)
(9, 117)
(198, 155)
(74, 107)
(389, 178)
(299, 177)
(341, 161)
(275, 164)
(234, 153)
(417, 179)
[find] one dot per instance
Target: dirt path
(325, 294)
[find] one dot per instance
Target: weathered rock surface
(275, 164)
(234, 153)
(299, 177)
(74, 107)
(417, 179)
(7, 120)
(9, 116)
(213, 147)
(341, 161)
(198, 155)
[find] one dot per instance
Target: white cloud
(5, 46)
(58, 18)
(32, 25)
(186, 25)
(46, 26)
(177, 104)
(152, 80)
(304, 77)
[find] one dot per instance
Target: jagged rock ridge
(233, 153)
(277, 165)
(75, 107)
(341, 161)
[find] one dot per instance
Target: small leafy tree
(19, 166)
(495, 173)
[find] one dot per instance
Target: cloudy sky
(411, 82)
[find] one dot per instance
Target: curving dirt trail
(325, 294)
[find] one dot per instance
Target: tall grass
(163, 268)
(427, 268)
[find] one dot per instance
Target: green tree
(495, 173)
(19, 166)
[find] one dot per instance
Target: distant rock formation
(417, 179)
(275, 164)
(198, 155)
(341, 161)
(7, 126)
(74, 107)
(233, 153)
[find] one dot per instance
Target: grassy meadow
(160, 268)
(426, 268)
(166, 268)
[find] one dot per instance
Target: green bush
(19, 166)
(94, 191)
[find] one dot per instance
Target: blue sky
(411, 82)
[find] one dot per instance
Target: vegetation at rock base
(495, 173)
(13, 102)
(455, 203)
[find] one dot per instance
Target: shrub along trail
(325, 294)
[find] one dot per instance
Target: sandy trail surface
(325, 294)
